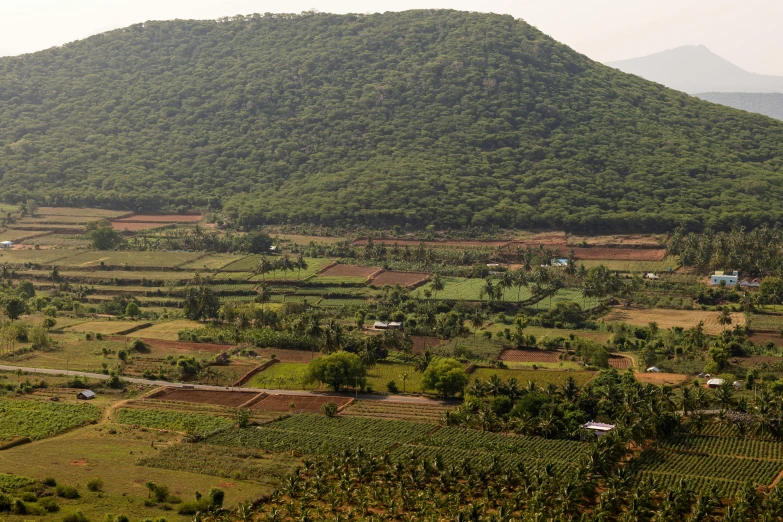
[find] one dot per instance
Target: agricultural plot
(233, 276)
(469, 289)
(392, 278)
(167, 331)
(621, 363)
(231, 399)
(105, 327)
(726, 472)
(314, 264)
(541, 378)
(59, 240)
(405, 377)
(668, 264)
(123, 226)
(161, 218)
(112, 276)
(670, 318)
(38, 420)
(19, 235)
(726, 446)
(220, 461)
(93, 213)
(567, 295)
(341, 280)
(235, 288)
(172, 420)
(772, 322)
(212, 261)
(317, 434)
(427, 412)
(282, 376)
(540, 332)
(39, 257)
(145, 259)
(245, 264)
(530, 356)
(336, 303)
(297, 403)
(350, 271)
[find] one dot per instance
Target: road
(133, 380)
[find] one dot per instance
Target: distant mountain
(768, 104)
(694, 69)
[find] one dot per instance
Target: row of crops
(172, 420)
(397, 410)
(38, 420)
(731, 446)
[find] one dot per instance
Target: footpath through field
(134, 380)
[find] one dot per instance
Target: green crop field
(19, 235)
(415, 412)
(168, 330)
(567, 295)
(212, 261)
(37, 419)
(541, 378)
(619, 265)
(466, 289)
(766, 322)
(383, 372)
(41, 257)
(105, 327)
(328, 303)
(282, 376)
(336, 280)
(59, 240)
(145, 259)
(93, 213)
(172, 420)
(245, 264)
(235, 276)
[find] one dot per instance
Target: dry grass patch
(669, 318)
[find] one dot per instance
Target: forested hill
(411, 118)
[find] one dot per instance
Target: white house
(599, 428)
(721, 277)
(6, 244)
(559, 262)
(715, 383)
(652, 276)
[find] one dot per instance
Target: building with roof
(715, 383)
(750, 283)
(6, 244)
(85, 395)
(721, 277)
(598, 428)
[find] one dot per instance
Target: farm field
(212, 261)
(130, 259)
(172, 420)
(298, 403)
(660, 378)
(540, 377)
(540, 332)
(424, 412)
(354, 271)
(93, 213)
(106, 327)
(379, 376)
(566, 295)
(19, 235)
(166, 331)
(237, 276)
(135, 227)
(664, 265)
(467, 289)
(303, 239)
(621, 363)
(111, 455)
(42, 257)
(770, 322)
(36, 419)
(530, 356)
(282, 376)
(314, 264)
(389, 277)
(598, 252)
(670, 318)
(161, 218)
(232, 399)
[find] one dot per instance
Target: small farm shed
(599, 428)
(722, 277)
(650, 275)
(750, 283)
(653, 369)
(380, 325)
(85, 395)
(715, 383)
(6, 244)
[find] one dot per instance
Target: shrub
(76, 517)
(191, 508)
(49, 504)
(138, 345)
(95, 484)
(216, 496)
(29, 496)
(69, 492)
(391, 387)
(329, 409)
(19, 507)
(49, 481)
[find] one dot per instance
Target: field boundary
(251, 373)
(327, 267)
(134, 329)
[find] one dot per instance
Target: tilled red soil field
(761, 338)
(621, 363)
(220, 398)
(349, 271)
(419, 343)
(180, 345)
(294, 356)
(307, 403)
(399, 278)
(120, 225)
(532, 356)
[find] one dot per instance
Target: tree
(446, 376)
(476, 321)
(724, 319)
(437, 284)
(200, 302)
(132, 310)
(337, 370)
(103, 236)
(14, 308)
(32, 207)
(329, 409)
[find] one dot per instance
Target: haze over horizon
(605, 30)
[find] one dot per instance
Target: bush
(216, 496)
(76, 517)
(95, 484)
(138, 345)
(49, 481)
(49, 504)
(329, 409)
(191, 508)
(68, 492)
(19, 508)
(29, 496)
(391, 387)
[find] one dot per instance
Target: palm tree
(488, 290)
(262, 295)
(300, 264)
(476, 321)
(54, 275)
(263, 267)
(724, 319)
(520, 280)
(437, 284)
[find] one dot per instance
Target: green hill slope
(409, 118)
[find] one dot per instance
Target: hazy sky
(745, 32)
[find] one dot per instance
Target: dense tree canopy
(421, 117)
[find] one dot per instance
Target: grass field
(567, 295)
(42, 257)
(670, 318)
(541, 378)
(94, 213)
(212, 261)
(111, 453)
(167, 331)
(282, 376)
(766, 322)
(314, 264)
(383, 372)
(466, 289)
